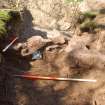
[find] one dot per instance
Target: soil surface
(19, 91)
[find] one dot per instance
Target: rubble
(78, 42)
(37, 42)
(56, 37)
(33, 44)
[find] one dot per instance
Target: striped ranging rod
(35, 77)
(10, 44)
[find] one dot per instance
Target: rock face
(58, 13)
(87, 5)
(98, 4)
(55, 14)
(46, 12)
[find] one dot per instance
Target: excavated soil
(19, 91)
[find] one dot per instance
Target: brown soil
(18, 91)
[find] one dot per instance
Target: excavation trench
(80, 57)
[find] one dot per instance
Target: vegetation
(68, 1)
(6, 17)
